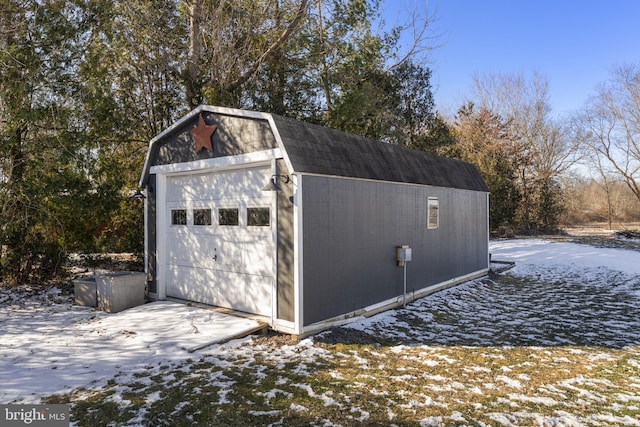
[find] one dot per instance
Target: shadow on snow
(598, 307)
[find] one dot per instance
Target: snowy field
(554, 341)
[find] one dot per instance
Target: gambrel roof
(320, 150)
(315, 149)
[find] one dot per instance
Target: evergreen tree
(43, 163)
(483, 138)
(85, 85)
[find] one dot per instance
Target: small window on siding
(433, 213)
(202, 217)
(258, 217)
(228, 216)
(178, 217)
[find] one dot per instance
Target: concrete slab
(175, 324)
(54, 348)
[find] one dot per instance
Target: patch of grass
(379, 385)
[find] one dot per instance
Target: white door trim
(220, 163)
(298, 279)
(216, 165)
(161, 236)
(274, 230)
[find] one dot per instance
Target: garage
(301, 224)
(220, 239)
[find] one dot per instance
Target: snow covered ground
(533, 254)
(51, 346)
(583, 295)
(559, 295)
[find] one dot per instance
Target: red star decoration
(202, 135)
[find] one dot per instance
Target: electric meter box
(403, 254)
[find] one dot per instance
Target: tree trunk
(324, 72)
(194, 60)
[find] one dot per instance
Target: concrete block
(85, 291)
(121, 290)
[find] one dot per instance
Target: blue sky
(574, 44)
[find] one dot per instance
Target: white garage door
(220, 239)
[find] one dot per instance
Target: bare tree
(541, 148)
(610, 124)
(419, 31)
(230, 40)
(606, 183)
(541, 142)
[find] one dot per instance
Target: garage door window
(178, 217)
(228, 216)
(258, 217)
(202, 217)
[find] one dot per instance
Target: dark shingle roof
(319, 150)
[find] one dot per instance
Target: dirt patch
(347, 336)
(274, 338)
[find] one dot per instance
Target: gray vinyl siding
(152, 247)
(285, 251)
(351, 230)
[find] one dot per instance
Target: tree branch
(272, 48)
